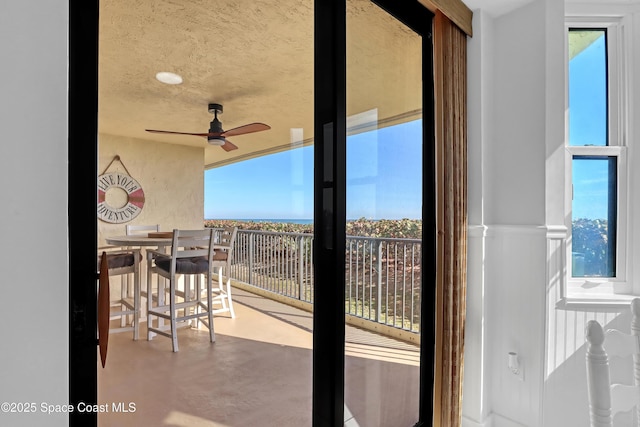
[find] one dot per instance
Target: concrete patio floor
(258, 372)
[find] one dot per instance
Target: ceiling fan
(217, 136)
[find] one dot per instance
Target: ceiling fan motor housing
(215, 126)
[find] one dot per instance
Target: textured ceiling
(253, 56)
(500, 7)
(496, 7)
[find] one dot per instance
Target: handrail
(382, 274)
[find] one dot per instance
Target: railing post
(379, 285)
(251, 243)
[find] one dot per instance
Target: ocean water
(283, 220)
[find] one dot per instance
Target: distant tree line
(392, 228)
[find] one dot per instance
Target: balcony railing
(383, 275)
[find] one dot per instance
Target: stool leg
(222, 291)
(136, 304)
(212, 334)
(149, 303)
(197, 308)
(124, 318)
(172, 309)
(233, 313)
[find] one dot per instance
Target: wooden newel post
(598, 377)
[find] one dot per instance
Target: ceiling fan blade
(250, 128)
(228, 146)
(180, 133)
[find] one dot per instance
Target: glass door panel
(256, 60)
(384, 225)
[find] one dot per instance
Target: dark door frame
(329, 211)
(82, 199)
(330, 207)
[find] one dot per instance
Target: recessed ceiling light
(169, 78)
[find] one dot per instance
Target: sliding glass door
(384, 218)
(374, 215)
(372, 141)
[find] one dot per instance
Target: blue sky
(383, 166)
(588, 126)
(383, 180)
(588, 96)
(591, 179)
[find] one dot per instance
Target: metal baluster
(370, 262)
(404, 282)
(251, 242)
(395, 283)
(300, 267)
(379, 280)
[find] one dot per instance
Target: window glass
(587, 87)
(594, 216)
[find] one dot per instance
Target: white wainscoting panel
(515, 277)
(476, 366)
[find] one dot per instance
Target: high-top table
(142, 240)
(139, 240)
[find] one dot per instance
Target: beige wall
(172, 177)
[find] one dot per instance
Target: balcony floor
(258, 372)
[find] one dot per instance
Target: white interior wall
(33, 167)
(514, 193)
(517, 219)
(511, 116)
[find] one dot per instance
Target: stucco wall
(172, 177)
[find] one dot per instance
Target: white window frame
(603, 288)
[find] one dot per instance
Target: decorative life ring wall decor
(135, 196)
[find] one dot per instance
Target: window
(596, 154)
(593, 216)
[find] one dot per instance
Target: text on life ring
(135, 198)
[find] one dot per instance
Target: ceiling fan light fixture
(169, 78)
(216, 140)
